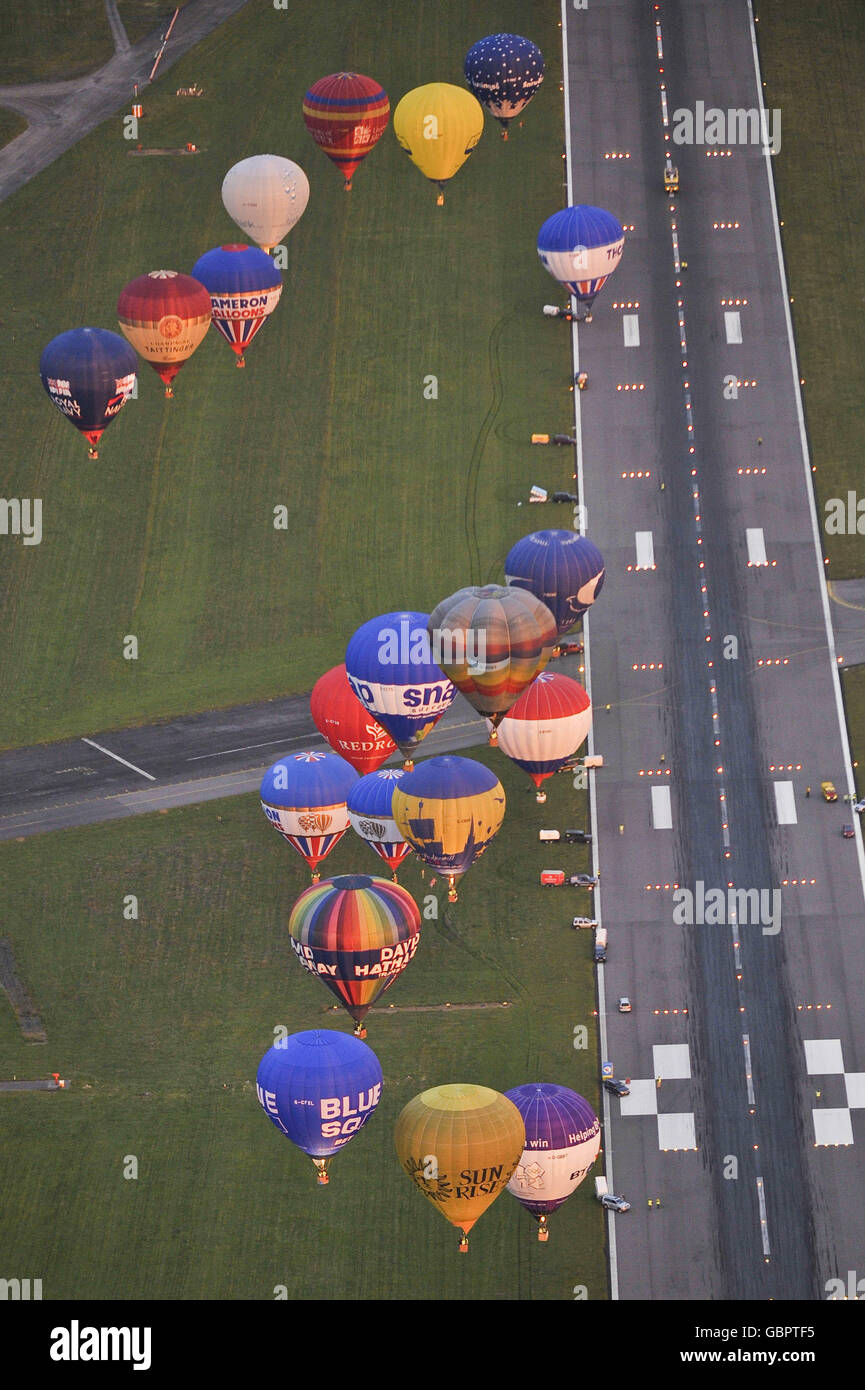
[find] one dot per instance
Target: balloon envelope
(346, 114)
(438, 125)
(303, 796)
(563, 1137)
(561, 568)
(449, 809)
(391, 671)
(165, 315)
(460, 1145)
(89, 374)
(580, 247)
(504, 71)
(265, 195)
(319, 1088)
(244, 287)
(357, 934)
(350, 730)
(370, 810)
(546, 725)
(500, 639)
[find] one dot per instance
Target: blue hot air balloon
(370, 812)
(580, 247)
(319, 1088)
(563, 1136)
(504, 71)
(89, 374)
(244, 287)
(390, 668)
(561, 568)
(303, 796)
(449, 809)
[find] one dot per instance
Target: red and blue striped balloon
(244, 287)
(346, 114)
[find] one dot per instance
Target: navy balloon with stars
(504, 71)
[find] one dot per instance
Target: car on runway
(828, 791)
(613, 1203)
(618, 1088)
(848, 832)
(624, 1005)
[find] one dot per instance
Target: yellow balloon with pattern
(438, 125)
(460, 1145)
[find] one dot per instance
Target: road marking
(749, 1078)
(733, 326)
(117, 758)
(756, 546)
(785, 803)
(662, 811)
(764, 1225)
(283, 742)
(645, 550)
(631, 328)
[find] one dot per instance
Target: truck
(552, 878)
(600, 943)
(549, 835)
(601, 1188)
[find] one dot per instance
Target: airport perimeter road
(738, 1104)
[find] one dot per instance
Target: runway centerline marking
(117, 758)
(764, 1225)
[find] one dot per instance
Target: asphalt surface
(757, 1211)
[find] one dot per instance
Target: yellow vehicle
(828, 790)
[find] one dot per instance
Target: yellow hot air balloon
(449, 809)
(439, 126)
(460, 1144)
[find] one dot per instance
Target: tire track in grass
(474, 468)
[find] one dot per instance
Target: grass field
(160, 1023)
(10, 126)
(170, 536)
(48, 40)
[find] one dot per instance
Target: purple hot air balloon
(563, 1136)
(561, 568)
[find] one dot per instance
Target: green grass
(160, 1023)
(169, 536)
(812, 58)
(853, 687)
(141, 17)
(48, 40)
(11, 124)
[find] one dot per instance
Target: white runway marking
(631, 329)
(245, 748)
(672, 1061)
(756, 546)
(645, 550)
(662, 810)
(832, 1127)
(733, 326)
(764, 1225)
(823, 1056)
(677, 1131)
(785, 803)
(117, 758)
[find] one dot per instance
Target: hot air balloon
(499, 637)
(319, 1088)
(351, 732)
(265, 195)
(563, 1136)
(370, 812)
(356, 933)
(165, 316)
(561, 568)
(89, 374)
(460, 1144)
(504, 71)
(580, 247)
(449, 809)
(244, 287)
(390, 669)
(346, 114)
(438, 126)
(546, 726)
(303, 796)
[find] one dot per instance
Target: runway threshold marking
(733, 326)
(117, 758)
(662, 810)
(756, 546)
(631, 329)
(785, 803)
(645, 548)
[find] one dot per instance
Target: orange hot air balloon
(460, 1144)
(165, 315)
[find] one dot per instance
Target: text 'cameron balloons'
(449, 809)
(390, 669)
(356, 933)
(500, 639)
(563, 1137)
(546, 726)
(165, 315)
(504, 71)
(265, 195)
(438, 125)
(561, 568)
(303, 797)
(580, 247)
(319, 1088)
(370, 810)
(346, 114)
(89, 374)
(244, 287)
(460, 1144)
(350, 730)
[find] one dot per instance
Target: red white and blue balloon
(371, 815)
(546, 726)
(303, 796)
(581, 247)
(244, 286)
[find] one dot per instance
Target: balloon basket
(169, 393)
(92, 453)
(348, 185)
(321, 1171)
(241, 361)
(408, 765)
(440, 202)
(494, 738)
(540, 798)
(464, 1245)
(504, 135)
(360, 1031)
(543, 1232)
(315, 876)
(452, 895)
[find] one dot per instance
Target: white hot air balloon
(265, 195)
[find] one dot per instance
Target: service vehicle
(610, 1202)
(584, 922)
(552, 878)
(549, 835)
(624, 1005)
(600, 943)
(828, 790)
(848, 832)
(583, 881)
(578, 837)
(618, 1088)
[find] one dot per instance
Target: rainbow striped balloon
(346, 114)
